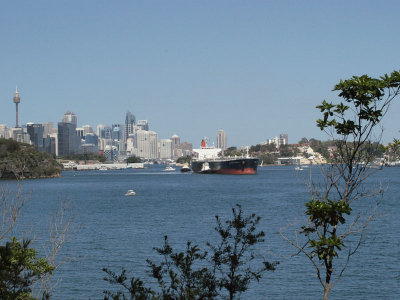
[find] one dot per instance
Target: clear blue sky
(252, 68)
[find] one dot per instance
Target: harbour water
(114, 231)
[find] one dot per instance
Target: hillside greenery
(19, 161)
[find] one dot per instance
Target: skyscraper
(70, 117)
(147, 144)
(176, 141)
(130, 122)
(143, 124)
(284, 138)
(67, 139)
(35, 132)
(166, 149)
(17, 100)
(221, 140)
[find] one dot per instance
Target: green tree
(194, 274)
(184, 159)
(133, 159)
(20, 269)
(351, 124)
(232, 257)
(303, 141)
(232, 151)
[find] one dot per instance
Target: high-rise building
(48, 128)
(80, 132)
(130, 122)
(111, 153)
(166, 147)
(284, 138)
(49, 144)
(116, 132)
(16, 100)
(221, 140)
(100, 128)
(143, 124)
(87, 129)
(68, 140)
(35, 132)
(147, 144)
(176, 141)
(70, 117)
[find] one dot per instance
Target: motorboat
(185, 168)
(130, 193)
(169, 168)
(299, 168)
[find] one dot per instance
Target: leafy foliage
(351, 125)
(184, 159)
(232, 257)
(20, 269)
(194, 274)
(133, 159)
(19, 160)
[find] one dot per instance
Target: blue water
(114, 231)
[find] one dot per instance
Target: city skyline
(255, 70)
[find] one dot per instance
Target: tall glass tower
(130, 122)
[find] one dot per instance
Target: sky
(253, 68)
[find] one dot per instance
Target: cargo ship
(209, 160)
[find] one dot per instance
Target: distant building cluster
(116, 142)
(277, 141)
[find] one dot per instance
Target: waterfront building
(35, 132)
(147, 144)
(111, 153)
(166, 148)
(70, 117)
(221, 140)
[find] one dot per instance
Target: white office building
(166, 149)
(147, 142)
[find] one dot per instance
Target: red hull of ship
(246, 171)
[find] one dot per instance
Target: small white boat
(299, 169)
(130, 193)
(169, 168)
